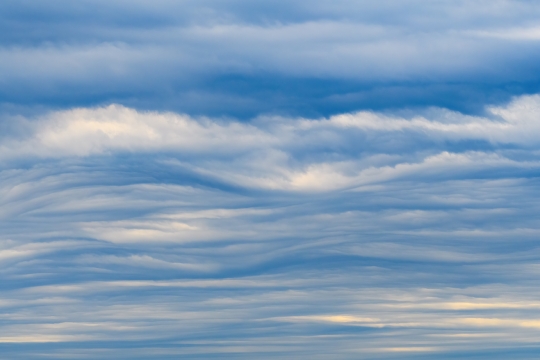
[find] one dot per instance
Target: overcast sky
(256, 179)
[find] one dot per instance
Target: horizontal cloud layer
(279, 153)
(134, 234)
(244, 59)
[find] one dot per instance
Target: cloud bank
(294, 154)
(239, 59)
(392, 235)
(238, 179)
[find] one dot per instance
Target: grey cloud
(345, 179)
(134, 234)
(283, 57)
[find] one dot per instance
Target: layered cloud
(342, 151)
(242, 59)
(154, 234)
(213, 179)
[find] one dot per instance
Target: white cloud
(527, 34)
(120, 223)
(268, 153)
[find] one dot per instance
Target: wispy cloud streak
(360, 235)
(240, 59)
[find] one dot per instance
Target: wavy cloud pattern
(391, 235)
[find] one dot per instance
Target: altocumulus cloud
(136, 234)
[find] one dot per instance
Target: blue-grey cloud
(239, 179)
(392, 235)
(236, 58)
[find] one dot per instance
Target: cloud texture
(405, 234)
(236, 58)
(254, 180)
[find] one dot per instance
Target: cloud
(240, 59)
(204, 179)
(290, 234)
(270, 152)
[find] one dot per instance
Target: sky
(269, 179)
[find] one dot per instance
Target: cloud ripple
(131, 234)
